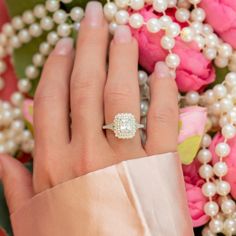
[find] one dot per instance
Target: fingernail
(123, 34)
(162, 70)
(94, 14)
(63, 47)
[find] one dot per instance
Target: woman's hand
(76, 96)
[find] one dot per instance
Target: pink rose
(194, 72)
(221, 15)
(230, 160)
(196, 199)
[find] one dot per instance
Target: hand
(76, 96)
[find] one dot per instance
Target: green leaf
(220, 75)
(188, 149)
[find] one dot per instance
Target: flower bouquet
(195, 38)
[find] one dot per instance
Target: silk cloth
(138, 197)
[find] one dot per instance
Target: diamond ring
(124, 126)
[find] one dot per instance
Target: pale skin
(79, 81)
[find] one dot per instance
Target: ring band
(124, 126)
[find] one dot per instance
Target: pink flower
(196, 199)
(221, 15)
(194, 72)
(230, 160)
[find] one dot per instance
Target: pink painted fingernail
(63, 47)
(123, 34)
(162, 71)
(94, 14)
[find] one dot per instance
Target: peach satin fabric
(140, 197)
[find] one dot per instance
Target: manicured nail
(63, 47)
(123, 34)
(162, 71)
(94, 14)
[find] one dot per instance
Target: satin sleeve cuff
(138, 197)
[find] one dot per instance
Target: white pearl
(28, 17)
(17, 126)
(17, 98)
(77, 13)
(63, 30)
(197, 27)
(26, 135)
(210, 53)
(216, 225)
(11, 146)
(7, 117)
(229, 131)
(206, 171)
(228, 206)
(232, 116)
(222, 188)
(17, 22)
(215, 109)
(226, 105)
(2, 148)
(17, 113)
(230, 226)
(35, 30)
(209, 189)
(24, 85)
(136, 4)
(44, 48)
(221, 62)
(28, 146)
(47, 23)
(173, 30)
(172, 60)
(182, 14)
(204, 156)
(40, 11)
(38, 59)
(225, 50)
(136, 20)
(220, 91)
(172, 3)
(167, 42)
(206, 140)
(112, 27)
(52, 38)
(2, 83)
(59, 16)
(122, 3)
(192, 98)
(194, 2)
(220, 169)
(122, 17)
(223, 120)
(31, 72)
(52, 5)
(24, 36)
(230, 79)
(212, 40)
(3, 67)
(222, 149)
(153, 25)
(165, 21)
(144, 107)
(211, 208)
(142, 77)
(187, 34)
(198, 14)
(15, 42)
(160, 5)
(110, 10)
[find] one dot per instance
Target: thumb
(17, 182)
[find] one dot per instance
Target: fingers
(89, 74)
(122, 89)
(51, 103)
(162, 119)
(17, 182)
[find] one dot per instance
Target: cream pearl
(31, 72)
(221, 62)
(220, 169)
(17, 98)
(194, 2)
(59, 16)
(192, 98)
(229, 131)
(197, 27)
(182, 14)
(52, 5)
(209, 189)
(226, 105)
(225, 50)
(222, 188)
(137, 4)
(17, 113)
(44, 48)
(24, 36)
(64, 30)
(204, 156)
(112, 27)
(52, 38)
(17, 126)
(77, 13)
(26, 135)
(230, 79)
(153, 25)
(35, 30)
(220, 91)
(144, 107)
(165, 21)
(206, 171)
(142, 77)
(222, 149)
(173, 30)
(136, 20)
(230, 226)
(7, 116)
(28, 17)
(206, 140)
(160, 5)
(38, 59)
(209, 53)
(187, 34)
(47, 23)
(228, 206)
(216, 225)
(11, 146)
(17, 22)
(211, 208)
(215, 109)
(122, 3)
(28, 146)
(172, 60)
(212, 40)
(172, 3)
(198, 14)
(110, 10)
(24, 85)
(40, 11)
(122, 17)
(15, 42)
(167, 42)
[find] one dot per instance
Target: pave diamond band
(124, 126)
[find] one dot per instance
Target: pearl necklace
(219, 100)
